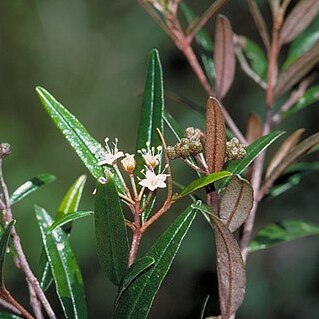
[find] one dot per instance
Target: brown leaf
(260, 22)
(224, 56)
(230, 269)
(215, 140)
(298, 20)
(297, 70)
(295, 153)
(236, 202)
(283, 150)
(253, 128)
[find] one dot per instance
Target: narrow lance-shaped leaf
(203, 309)
(202, 182)
(69, 204)
(283, 150)
(152, 111)
(292, 176)
(65, 270)
(224, 56)
(79, 138)
(255, 56)
(230, 269)
(133, 272)
(67, 219)
(252, 151)
(298, 20)
(260, 22)
(204, 42)
(295, 153)
(236, 202)
(215, 136)
(173, 125)
(3, 248)
(311, 96)
(137, 299)
(4, 315)
(30, 186)
(110, 232)
(282, 232)
(297, 70)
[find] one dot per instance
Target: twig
(21, 260)
(199, 23)
(9, 306)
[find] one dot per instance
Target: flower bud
(128, 163)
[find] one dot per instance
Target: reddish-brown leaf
(215, 136)
(236, 202)
(298, 20)
(297, 70)
(260, 22)
(253, 128)
(283, 150)
(295, 153)
(224, 56)
(230, 269)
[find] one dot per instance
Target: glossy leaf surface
(65, 270)
(284, 231)
(69, 204)
(30, 186)
(202, 182)
(75, 133)
(70, 218)
(137, 299)
(152, 111)
(110, 231)
(4, 315)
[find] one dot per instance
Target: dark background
(91, 55)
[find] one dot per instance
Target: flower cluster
(151, 156)
(235, 150)
(190, 145)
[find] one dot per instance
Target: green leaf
(69, 218)
(69, 204)
(173, 125)
(71, 200)
(311, 96)
(76, 134)
(204, 43)
(65, 270)
(255, 56)
(30, 186)
(3, 247)
(284, 231)
(253, 150)
(133, 272)
(137, 299)
(110, 232)
(202, 182)
(152, 111)
(292, 176)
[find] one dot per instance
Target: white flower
(151, 158)
(110, 156)
(129, 163)
(153, 181)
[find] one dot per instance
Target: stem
(20, 260)
(15, 306)
(137, 235)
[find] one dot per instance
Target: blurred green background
(91, 55)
